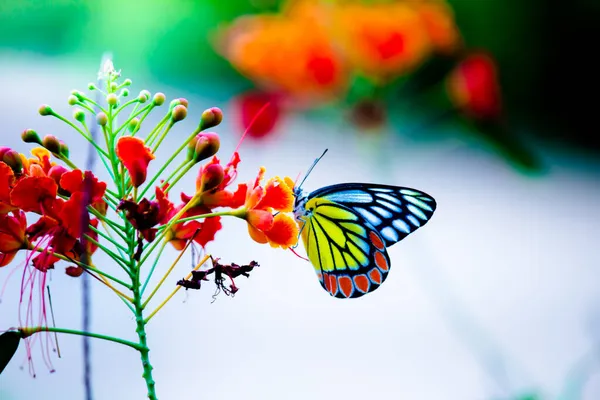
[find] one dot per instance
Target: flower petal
(278, 196)
(31, 191)
(134, 154)
(284, 232)
(260, 219)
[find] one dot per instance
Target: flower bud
(92, 86)
(159, 99)
(72, 100)
(212, 176)
(133, 124)
(126, 82)
(124, 92)
(211, 117)
(206, 144)
(179, 101)
(51, 143)
(179, 113)
(144, 96)
(79, 115)
(112, 99)
(45, 110)
(13, 160)
(101, 118)
(113, 86)
(64, 149)
(56, 172)
(30, 136)
(3, 151)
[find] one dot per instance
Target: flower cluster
(55, 212)
(315, 51)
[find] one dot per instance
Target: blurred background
(483, 104)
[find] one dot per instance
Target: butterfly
(347, 228)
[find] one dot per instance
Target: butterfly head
(299, 209)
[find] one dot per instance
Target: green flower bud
(101, 118)
(64, 149)
(159, 99)
(124, 92)
(113, 86)
(210, 118)
(92, 86)
(30, 136)
(79, 115)
(51, 143)
(126, 82)
(112, 99)
(179, 113)
(144, 96)
(176, 102)
(72, 100)
(133, 124)
(45, 110)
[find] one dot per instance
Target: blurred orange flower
(285, 53)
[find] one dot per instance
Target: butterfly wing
(347, 252)
(394, 211)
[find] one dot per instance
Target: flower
(7, 181)
(278, 230)
(12, 235)
(255, 120)
(135, 156)
(290, 53)
(382, 40)
(438, 20)
(473, 87)
(146, 214)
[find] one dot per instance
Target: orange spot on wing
(376, 240)
(375, 276)
(333, 285)
(326, 282)
(362, 283)
(381, 262)
(346, 285)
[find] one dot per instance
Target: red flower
(33, 193)
(473, 87)
(7, 181)
(77, 181)
(146, 214)
(12, 235)
(135, 156)
(249, 104)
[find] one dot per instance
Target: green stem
(28, 331)
(156, 259)
(139, 317)
(234, 213)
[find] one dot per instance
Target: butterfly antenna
(311, 168)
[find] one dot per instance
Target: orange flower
(135, 156)
(383, 40)
(473, 87)
(438, 20)
(288, 53)
(277, 195)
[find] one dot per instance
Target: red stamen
(298, 255)
(252, 122)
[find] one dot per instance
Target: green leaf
(9, 343)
